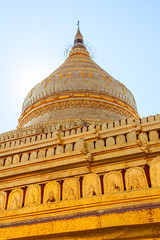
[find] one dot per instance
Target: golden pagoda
(81, 163)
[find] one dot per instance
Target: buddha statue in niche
(15, 203)
(71, 195)
(135, 184)
(51, 197)
(91, 191)
(32, 200)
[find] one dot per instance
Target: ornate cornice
(77, 100)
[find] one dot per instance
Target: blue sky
(34, 33)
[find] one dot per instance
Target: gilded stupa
(78, 89)
(81, 163)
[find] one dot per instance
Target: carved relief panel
(110, 141)
(155, 172)
(16, 159)
(59, 150)
(33, 155)
(91, 185)
(51, 192)
(3, 197)
(113, 182)
(15, 199)
(43, 136)
(24, 157)
(131, 137)
(91, 127)
(120, 139)
(153, 136)
(50, 152)
(55, 135)
(100, 143)
(79, 145)
(143, 137)
(90, 146)
(69, 148)
(42, 153)
(33, 195)
(71, 189)
(135, 178)
(8, 161)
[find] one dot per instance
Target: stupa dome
(78, 89)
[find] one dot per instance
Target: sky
(125, 35)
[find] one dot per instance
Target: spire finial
(78, 24)
(78, 40)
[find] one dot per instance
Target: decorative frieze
(93, 185)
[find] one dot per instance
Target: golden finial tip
(78, 24)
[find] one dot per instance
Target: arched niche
(50, 152)
(99, 143)
(8, 161)
(33, 155)
(51, 192)
(42, 153)
(68, 148)
(113, 182)
(24, 157)
(91, 185)
(71, 189)
(135, 178)
(155, 172)
(131, 137)
(33, 195)
(79, 145)
(59, 150)
(153, 136)
(120, 139)
(15, 199)
(16, 159)
(110, 141)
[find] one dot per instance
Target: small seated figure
(32, 200)
(51, 197)
(135, 184)
(113, 188)
(91, 191)
(15, 203)
(71, 195)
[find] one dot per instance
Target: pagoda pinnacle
(78, 38)
(78, 45)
